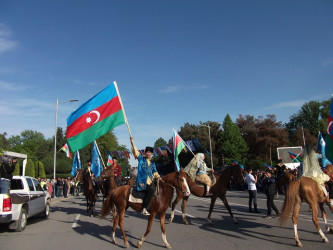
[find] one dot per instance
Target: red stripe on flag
(90, 118)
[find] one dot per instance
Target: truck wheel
(22, 221)
(46, 212)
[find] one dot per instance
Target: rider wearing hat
(146, 173)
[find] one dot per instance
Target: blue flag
(76, 164)
(320, 144)
(95, 161)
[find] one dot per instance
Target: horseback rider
(87, 170)
(146, 173)
(117, 170)
(198, 169)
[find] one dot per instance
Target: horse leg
(183, 206)
(121, 226)
(323, 213)
(150, 223)
(315, 222)
(162, 223)
(114, 227)
(212, 203)
(173, 206)
(226, 204)
(297, 207)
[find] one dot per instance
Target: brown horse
(308, 190)
(109, 183)
(158, 205)
(219, 189)
(88, 189)
(283, 181)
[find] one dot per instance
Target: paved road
(69, 227)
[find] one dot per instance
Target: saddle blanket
(134, 200)
(136, 196)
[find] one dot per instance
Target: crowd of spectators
(60, 187)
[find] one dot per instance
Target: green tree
(4, 143)
(262, 136)
(64, 166)
(312, 116)
(39, 169)
(48, 164)
(232, 143)
(160, 142)
(30, 168)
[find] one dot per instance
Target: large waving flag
(178, 146)
(95, 118)
(96, 166)
(76, 164)
(329, 137)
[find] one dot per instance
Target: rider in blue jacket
(146, 173)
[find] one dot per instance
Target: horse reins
(180, 189)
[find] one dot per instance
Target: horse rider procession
(151, 194)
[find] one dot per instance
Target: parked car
(26, 198)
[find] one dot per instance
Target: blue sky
(174, 61)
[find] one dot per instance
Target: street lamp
(210, 144)
(55, 135)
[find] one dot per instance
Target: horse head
(237, 174)
(178, 181)
(79, 175)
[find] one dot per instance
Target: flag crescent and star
(88, 120)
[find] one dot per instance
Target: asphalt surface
(70, 227)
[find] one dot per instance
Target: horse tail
(107, 206)
(289, 201)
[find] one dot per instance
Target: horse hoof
(326, 240)
(299, 244)
(168, 246)
(127, 245)
(139, 245)
(209, 221)
(113, 242)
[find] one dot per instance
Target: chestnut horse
(159, 204)
(308, 190)
(109, 183)
(88, 189)
(283, 181)
(218, 190)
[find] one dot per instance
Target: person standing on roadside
(252, 189)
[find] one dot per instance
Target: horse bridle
(179, 186)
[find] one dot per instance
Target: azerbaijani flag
(65, 148)
(269, 167)
(178, 146)
(295, 157)
(95, 118)
(110, 161)
(329, 137)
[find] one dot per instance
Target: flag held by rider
(94, 118)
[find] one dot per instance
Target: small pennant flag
(65, 148)
(110, 161)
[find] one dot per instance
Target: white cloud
(6, 44)
(171, 89)
(7, 86)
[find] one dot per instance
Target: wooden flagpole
(122, 107)
(99, 153)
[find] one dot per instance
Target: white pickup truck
(24, 198)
